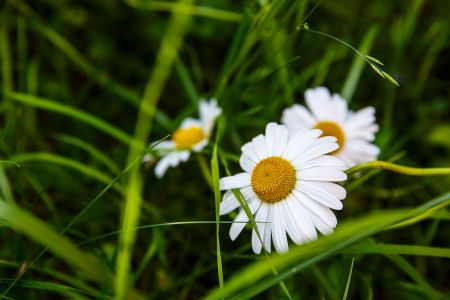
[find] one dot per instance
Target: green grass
(87, 85)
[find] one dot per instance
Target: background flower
(354, 130)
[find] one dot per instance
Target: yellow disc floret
(273, 179)
(332, 129)
(186, 138)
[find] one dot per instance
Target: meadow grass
(87, 85)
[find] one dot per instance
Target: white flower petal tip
(329, 113)
(288, 183)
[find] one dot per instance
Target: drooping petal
(279, 229)
(241, 219)
(301, 221)
(260, 219)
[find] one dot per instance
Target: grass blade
(348, 281)
(74, 113)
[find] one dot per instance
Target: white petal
(190, 122)
(163, 145)
(360, 151)
(360, 119)
(237, 181)
(260, 219)
(332, 188)
(200, 145)
(276, 139)
(171, 159)
(246, 163)
(323, 228)
(259, 145)
(229, 203)
(297, 116)
(298, 142)
(321, 174)
(323, 212)
(241, 219)
(279, 229)
(209, 111)
(314, 191)
(268, 229)
(324, 161)
(301, 221)
(320, 147)
(340, 108)
(319, 102)
(250, 152)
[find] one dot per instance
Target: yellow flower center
(185, 138)
(273, 179)
(332, 129)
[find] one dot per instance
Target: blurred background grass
(73, 75)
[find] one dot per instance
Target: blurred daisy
(354, 131)
(192, 135)
(287, 185)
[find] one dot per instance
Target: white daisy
(354, 130)
(287, 185)
(192, 135)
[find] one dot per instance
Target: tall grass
(87, 86)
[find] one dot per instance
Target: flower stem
(399, 169)
(204, 166)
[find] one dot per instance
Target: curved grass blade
(74, 113)
(253, 279)
(92, 150)
(66, 162)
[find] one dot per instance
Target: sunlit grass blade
(165, 58)
(74, 113)
(184, 8)
(254, 279)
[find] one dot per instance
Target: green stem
(399, 169)
(204, 166)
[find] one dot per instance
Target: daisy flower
(192, 135)
(354, 131)
(287, 184)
